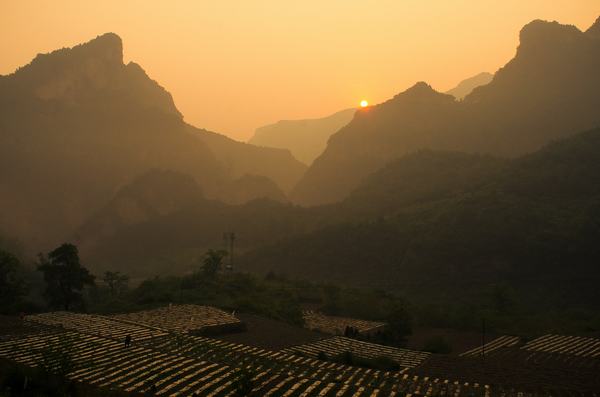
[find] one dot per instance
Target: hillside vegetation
(469, 228)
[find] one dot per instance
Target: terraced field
(337, 345)
(515, 368)
(163, 363)
(337, 325)
(181, 318)
(502, 341)
(575, 345)
(96, 325)
(14, 327)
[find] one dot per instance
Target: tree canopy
(12, 287)
(213, 261)
(65, 276)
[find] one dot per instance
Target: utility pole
(229, 238)
(483, 338)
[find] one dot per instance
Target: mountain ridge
(77, 124)
(548, 91)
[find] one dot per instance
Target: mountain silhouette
(77, 124)
(467, 86)
(594, 30)
(549, 90)
(153, 194)
(306, 139)
(241, 159)
(376, 136)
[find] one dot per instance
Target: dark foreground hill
(551, 89)
(456, 226)
(77, 124)
(162, 223)
(432, 225)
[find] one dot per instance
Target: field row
(556, 374)
(337, 345)
(97, 325)
(105, 362)
(181, 318)
(337, 325)
(575, 345)
(502, 341)
(14, 327)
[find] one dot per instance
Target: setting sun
(364, 103)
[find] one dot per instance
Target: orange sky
(234, 65)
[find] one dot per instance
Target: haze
(233, 66)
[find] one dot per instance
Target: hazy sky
(233, 66)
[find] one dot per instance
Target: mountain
(241, 159)
(467, 86)
(374, 137)
(251, 187)
(74, 125)
(77, 124)
(549, 90)
(306, 139)
(594, 30)
(460, 224)
(153, 194)
(147, 243)
(424, 176)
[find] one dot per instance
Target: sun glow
(364, 103)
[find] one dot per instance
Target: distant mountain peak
(419, 92)
(543, 33)
(108, 45)
(467, 86)
(88, 72)
(420, 88)
(594, 30)
(107, 48)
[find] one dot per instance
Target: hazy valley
(404, 229)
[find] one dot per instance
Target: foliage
(12, 286)
(213, 262)
(466, 237)
(65, 277)
(273, 297)
(116, 282)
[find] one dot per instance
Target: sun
(364, 103)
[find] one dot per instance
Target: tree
(65, 277)
(116, 282)
(12, 286)
(213, 261)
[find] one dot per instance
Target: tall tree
(116, 282)
(213, 261)
(12, 286)
(65, 277)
